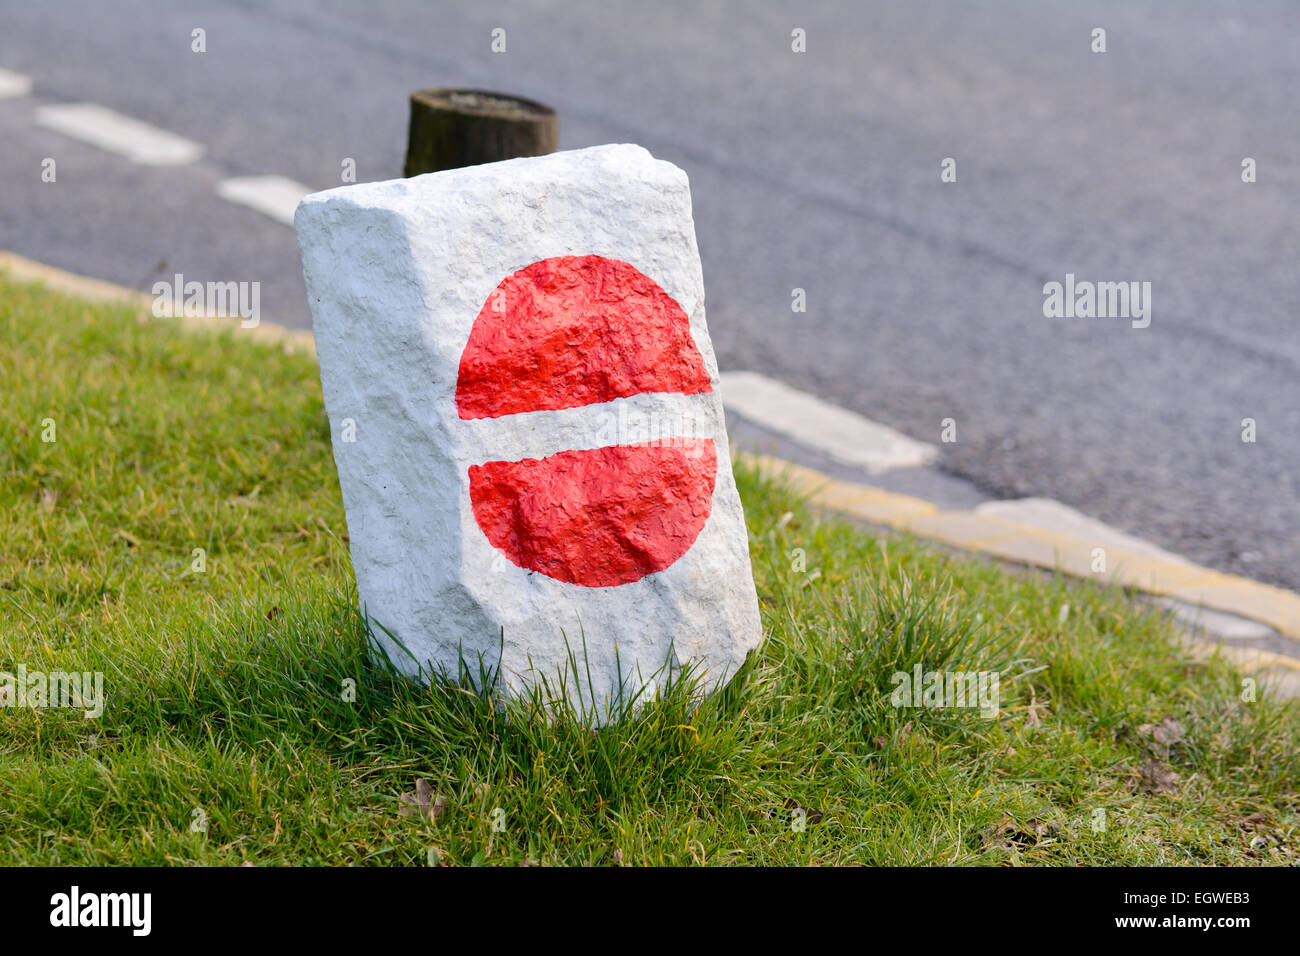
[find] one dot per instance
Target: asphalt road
(819, 171)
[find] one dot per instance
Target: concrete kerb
(1018, 543)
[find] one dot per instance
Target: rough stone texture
(540, 471)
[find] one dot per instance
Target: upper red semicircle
(571, 331)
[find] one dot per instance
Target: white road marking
(844, 436)
(110, 130)
(273, 196)
(14, 84)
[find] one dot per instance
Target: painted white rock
(526, 423)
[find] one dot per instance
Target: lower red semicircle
(597, 517)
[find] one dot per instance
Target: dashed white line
(844, 436)
(14, 84)
(274, 196)
(110, 130)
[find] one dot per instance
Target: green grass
(226, 687)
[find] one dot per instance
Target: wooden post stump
(453, 128)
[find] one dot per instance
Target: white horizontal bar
(110, 130)
(14, 84)
(842, 435)
(273, 196)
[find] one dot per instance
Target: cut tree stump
(454, 128)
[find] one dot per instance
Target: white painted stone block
(539, 474)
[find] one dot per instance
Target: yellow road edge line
(1254, 658)
(1276, 607)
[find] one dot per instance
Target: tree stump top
(484, 103)
(451, 128)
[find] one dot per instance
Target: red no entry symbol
(565, 333)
